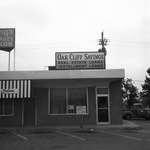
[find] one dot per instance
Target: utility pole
(103, 42)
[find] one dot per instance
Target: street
(79, 140)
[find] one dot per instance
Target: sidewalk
(127, 125)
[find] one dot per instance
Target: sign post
(9, 61)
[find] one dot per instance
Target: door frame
(102, 95)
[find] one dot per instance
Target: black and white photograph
(74, 75)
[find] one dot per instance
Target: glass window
(68, 101)
(77, 98)
(57, 101)
(6, 107)
(103, 102)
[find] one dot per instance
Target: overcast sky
(44, 27)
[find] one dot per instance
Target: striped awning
(15, 89)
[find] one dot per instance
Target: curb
(87, 128)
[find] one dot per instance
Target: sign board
(70, 106)
(81, 109)
(7, 39)
(9, 91)
(80, 60)
(70, 109)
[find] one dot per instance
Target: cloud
(24, 13)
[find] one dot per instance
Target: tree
(129, 93)
(146, 88)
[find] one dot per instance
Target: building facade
(61, 97)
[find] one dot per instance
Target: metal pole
(9, 62)
(14, 57)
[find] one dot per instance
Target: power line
(70, 44)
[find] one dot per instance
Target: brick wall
(115, 102)
(43, 118)
(16, 119)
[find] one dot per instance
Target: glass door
(102, 109)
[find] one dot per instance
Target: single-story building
(61, 97)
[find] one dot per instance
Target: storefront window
(57, 101)
(6, 107)
(77, 99)
(68, 101)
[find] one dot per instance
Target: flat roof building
(61, 97)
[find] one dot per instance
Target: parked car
(138, 111)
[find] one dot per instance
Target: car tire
(127, 116)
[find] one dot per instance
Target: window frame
(3, 114)
(103, 95)
(87, 102)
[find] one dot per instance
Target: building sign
(9, 91)
(80, 60)
(81, 109)
(7, 39)
(70, 109)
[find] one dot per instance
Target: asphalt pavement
(127, 125)
(128, 136)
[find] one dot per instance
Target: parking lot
(75, 139)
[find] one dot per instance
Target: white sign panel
(81, 109)
(80, 60)
(9, 91)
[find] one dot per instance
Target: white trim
(10, 88)
(25, 88)
(18, 85)
(63, 74)
(3, 96)
(29, 88)
(21, 89)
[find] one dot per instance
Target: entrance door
(29, 112)
(102, 109)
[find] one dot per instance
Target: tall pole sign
(7, 42)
